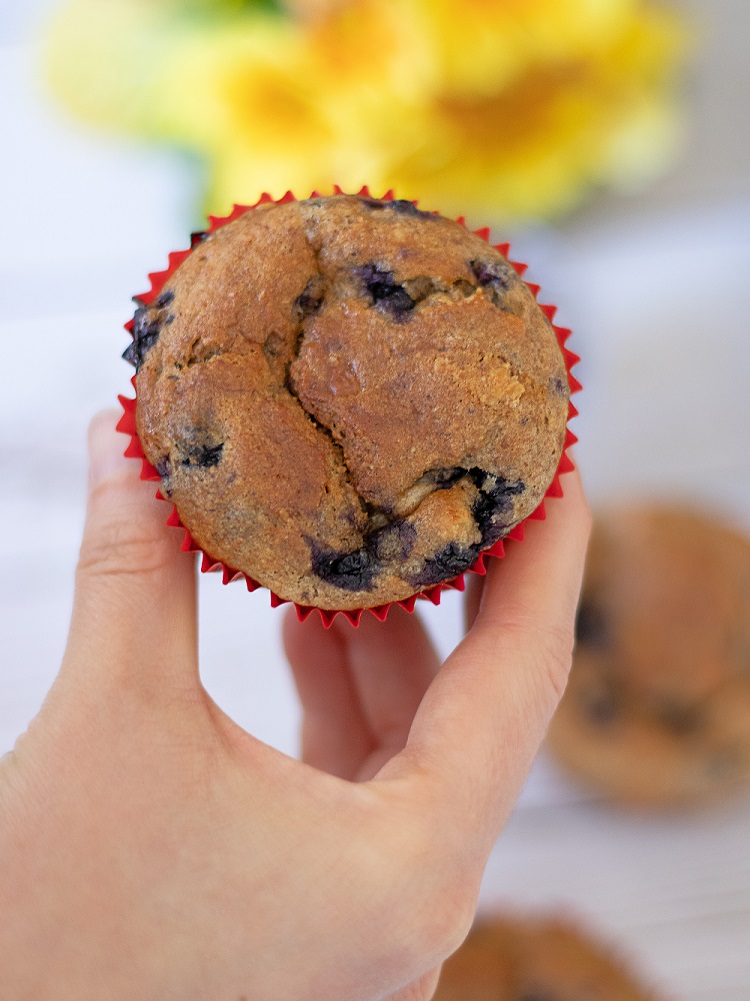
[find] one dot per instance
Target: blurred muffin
(348, 399)
(657, 710)
(548, 959)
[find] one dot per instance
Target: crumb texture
(348, 399)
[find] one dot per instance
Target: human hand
(152, 849)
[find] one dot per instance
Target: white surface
(656, 289)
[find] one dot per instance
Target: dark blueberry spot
(132, 355)
(199, 237)
(372, 203)
(146, 328)
(559, 386)
(169, 319)
(405, 207)
(394, 541)
(498, 274)
(601, 705)
(452, 561)
(495, 499)
(400, 205)
(353, 571)
(592, 626)
(407, 535)
(385, 292)
(310, 300)
(496, 278)
(165, 298)
(144, 322)
(681, 719)
(204, 455)
(164, 469)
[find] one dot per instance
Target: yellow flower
(330, 110)
(575, 110)
(512, 107)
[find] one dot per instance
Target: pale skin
(151, 849)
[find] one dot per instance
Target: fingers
(335, 737)
(482, 720)
(392, 663)
(134, 613)
(359, 688)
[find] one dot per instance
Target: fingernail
(106, 448)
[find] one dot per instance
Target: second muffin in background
(545, 958)
(657, 710)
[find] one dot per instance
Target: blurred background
(609, 140)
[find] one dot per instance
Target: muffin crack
(356, 569)
(384, 535)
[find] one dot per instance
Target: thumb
(483, 718)
(134, 613)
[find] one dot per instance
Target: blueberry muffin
(657, 710)
(512, 959)
(348, 399)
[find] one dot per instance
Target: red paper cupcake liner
(433, 594)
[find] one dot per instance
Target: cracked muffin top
(348, 399)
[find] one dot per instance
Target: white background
(657, 289)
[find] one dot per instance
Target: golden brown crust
(657, 710)
(348, 399)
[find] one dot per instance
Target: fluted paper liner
(134, 449)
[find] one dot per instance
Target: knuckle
(557, 669)
(552, 657)
(118, 545)
(445, 920)
(547, 648)
(556, 654)
(443, 895)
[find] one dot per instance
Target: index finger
(483, 718)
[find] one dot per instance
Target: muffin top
(511, 958)
(657, 709)
(348, 399)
